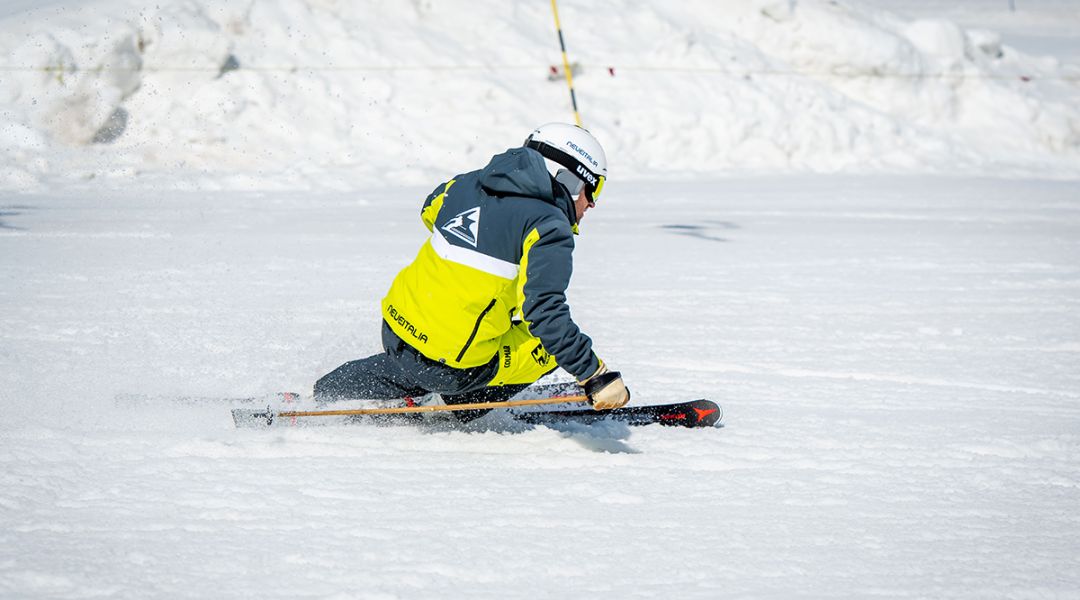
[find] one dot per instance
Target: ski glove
(605, 389)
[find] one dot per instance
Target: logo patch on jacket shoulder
(465, 226)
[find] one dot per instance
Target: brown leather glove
(605, 389)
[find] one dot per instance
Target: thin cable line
(720, 71)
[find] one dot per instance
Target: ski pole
(400, 410)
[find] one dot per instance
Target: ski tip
(706, 413)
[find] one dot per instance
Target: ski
(531, 405)
(695, 413)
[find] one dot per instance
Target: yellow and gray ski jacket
(501, 247)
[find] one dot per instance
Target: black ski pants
(400, 371)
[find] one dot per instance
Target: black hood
(521, 172)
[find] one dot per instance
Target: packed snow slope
(897, 358)
(321, 93)
(896, 354)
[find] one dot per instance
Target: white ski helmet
(573, 157)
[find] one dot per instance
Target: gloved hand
(605, 389)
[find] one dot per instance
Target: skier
(481, 312)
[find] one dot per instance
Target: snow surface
(896, 347)
(327, 94)
(897, 359)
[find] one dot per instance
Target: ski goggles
(575, 184)
(599, 188)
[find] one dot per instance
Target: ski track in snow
(896, 356)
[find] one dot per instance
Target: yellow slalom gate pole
(566, 64)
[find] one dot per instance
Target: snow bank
(325, 93)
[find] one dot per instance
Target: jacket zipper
(475, 328)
